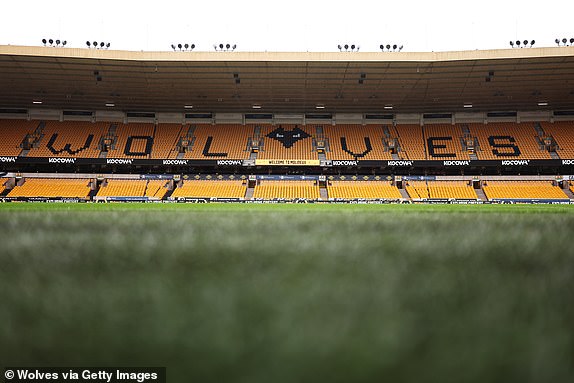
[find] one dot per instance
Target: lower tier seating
(287, 190)
(214, 189)
(52, 188)
(133, 188)
(362, 190)
(522, 190)
(440, 190)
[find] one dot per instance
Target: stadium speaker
(388, 46)
(346, 46)
(57, 42)
(52, 41)
(193, 46)
(220, 46)
(518, 43)
(557, 42)
(88, 43)
(227, 46)
(179, 46)
(108, 45)
(338, 46)
(95, 44)
(572, 41)
(564, 41)
(394, 47)
(64, 43)
(532, 42)
(380, 46)
(512, 44)
(172, 46)
(525, 42)
(102, 44)
(44, 41)
(186, 46)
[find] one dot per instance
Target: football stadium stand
(13, 133)
(166, 140)
(507, 140)
(441, 190)
(69, 139)
(287, 142)
(563, 134)
(52, 187)
(362, 190)
(444, 142)
(134, 140)
(353, 142)
(211, 188)
(412, 143)
(522, 190)
(287, 190)
(209, 142)
(132, 188)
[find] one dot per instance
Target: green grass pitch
(291, 293)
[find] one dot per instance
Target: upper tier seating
(522, 190)
(412, 142)
(444, 135)
(52, 187)
(362, 190)
(70, 139)
(563, 133)
(287, 190)
(287, 142)
(356, 142)
(12, 134)
(222, 141)
(133, 141)
(211, 188)
(496, 141)
(511, 141)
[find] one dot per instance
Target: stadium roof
(342, 82)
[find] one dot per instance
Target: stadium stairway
(404, 194)
(249, 193)
(568, 193)
(480, 194)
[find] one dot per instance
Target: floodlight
(388, 46)
(51, 41)
(192, 46)
(564, 41)
(227, 46)
(186, 46)
(179, 46)
(57, 42)
(64, 43)
(44, 41)
(346, 46)
(394, 47)
(220, 46)
(88, 43)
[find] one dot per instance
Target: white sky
(293, 25)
